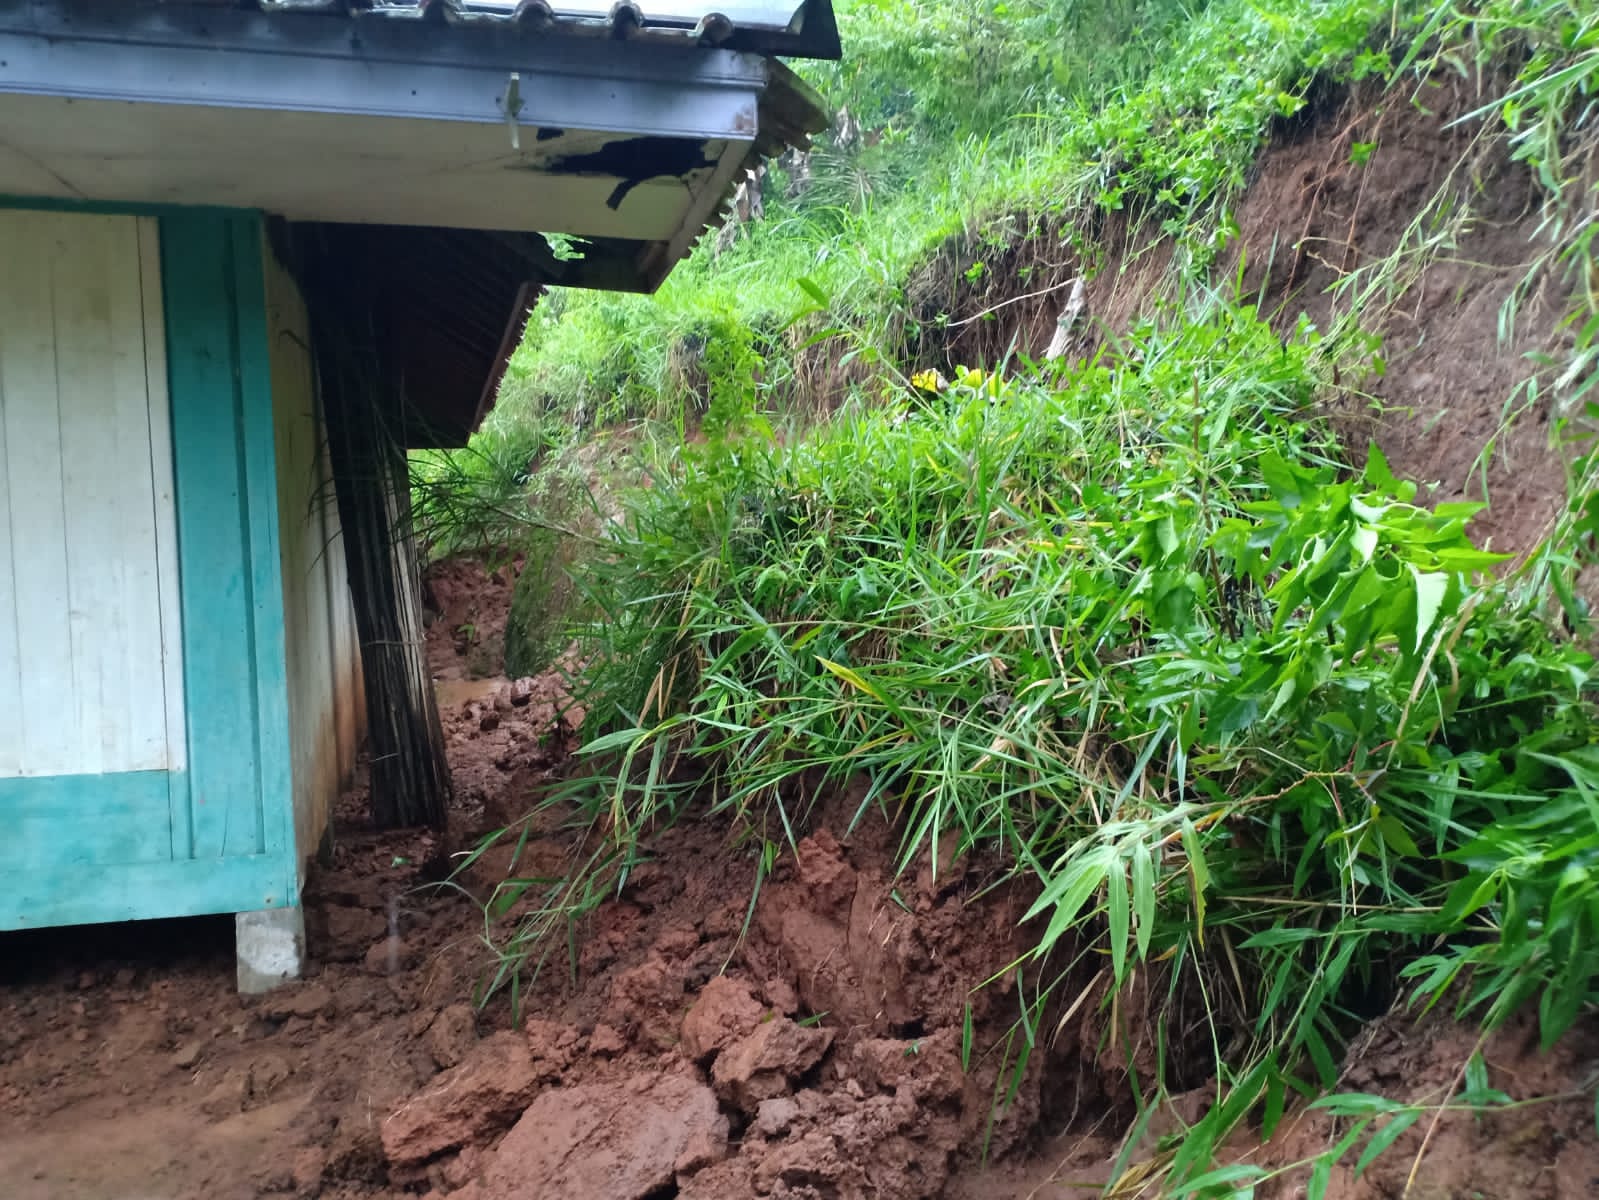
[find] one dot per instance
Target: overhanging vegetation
(1258, 727)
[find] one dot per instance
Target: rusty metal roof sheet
(796, 28)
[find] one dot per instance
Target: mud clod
(622, 1140)
(606, 1042)
(763, 1064)
(451, 1035)
(773, 1117)
(725, 1011)
(485, 1093)
(304, 1001)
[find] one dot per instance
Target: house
(249, 254)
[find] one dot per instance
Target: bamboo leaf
(853, 678)
(1233, 1173)
(1117, 914)
(1143, 871)
(1385, 1137)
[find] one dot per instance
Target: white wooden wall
(326, 702)
(90, 671)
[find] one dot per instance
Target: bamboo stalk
(410, 778)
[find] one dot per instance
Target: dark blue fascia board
(236, 58)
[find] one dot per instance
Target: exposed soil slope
(1340, 188)
(1453, 359)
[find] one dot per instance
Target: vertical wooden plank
(80, 316)
(49, 739)
(84, 624)
(219, 677)
(138, 513)
(166, 529)
(346, 656)
(10, 654)
(345, 651)
(323, 532)
(320, 616)
(288, 339)
(231, 576)
(275, 814)
(118, 695)
(346, 645)
(116, 587)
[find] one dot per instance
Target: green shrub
(1241, 716)
(1245, 719)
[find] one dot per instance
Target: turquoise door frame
(218, 836)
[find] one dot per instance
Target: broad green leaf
(1234, 713)
(1276, 1098)
(1397, 838)
(1200, 874)
(813, 290)
(1364, 542)
(1282, 936)
(1467, 896)
(1431, 588)
(1166, 534)
(1320, 1179)
(1466, 559)
(1320, 1055)
(1281, 479)
(1378, 473)
(1285, 691)
(610, 741)
(1068, 892)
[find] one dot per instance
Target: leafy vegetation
(1134, 629)
(1152, 105)
(1255, 724)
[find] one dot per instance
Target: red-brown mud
(810, 1047)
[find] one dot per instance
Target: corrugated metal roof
(798, 28)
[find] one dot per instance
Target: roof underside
(458, 136)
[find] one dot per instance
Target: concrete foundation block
(270, 946)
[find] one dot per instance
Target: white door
(90, 668)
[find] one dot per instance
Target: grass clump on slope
(1250, 722)
(1246, 719)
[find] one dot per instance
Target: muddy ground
(690, 1046)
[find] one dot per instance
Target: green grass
(1136, 631)
(1249, 722)
(1168, 107)
(871, 216)
(1266, 729)
(1153, 107)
